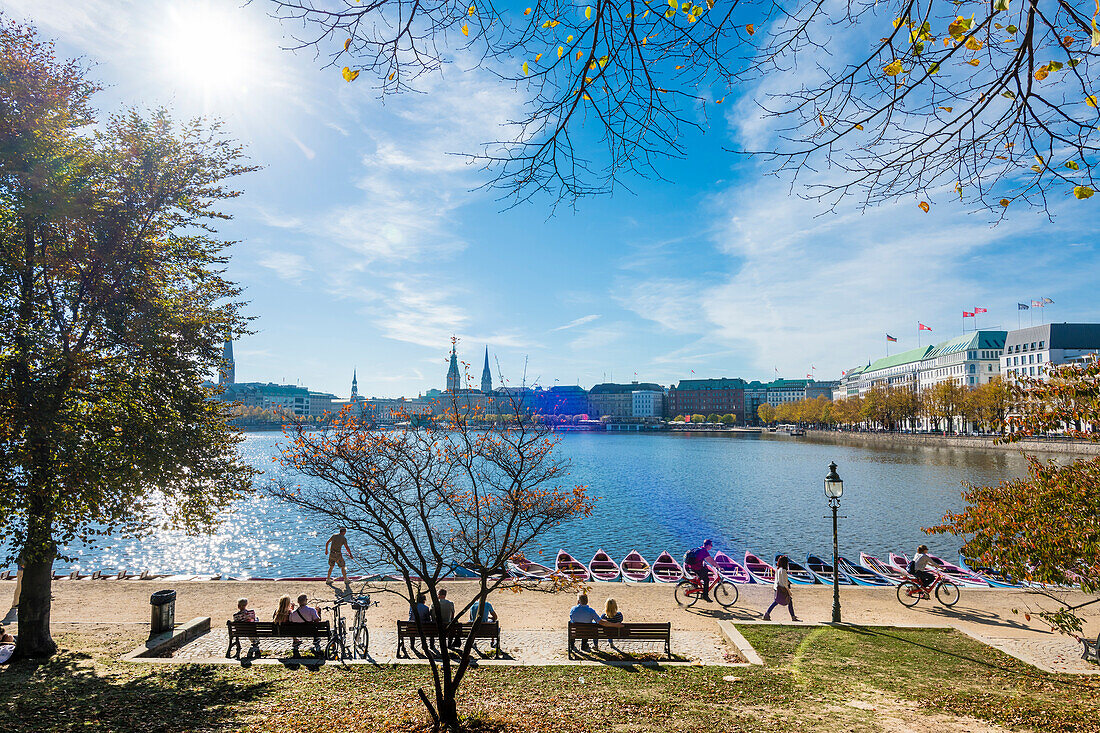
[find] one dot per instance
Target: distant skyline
(365, 243)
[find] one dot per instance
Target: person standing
(335, 548)
(782, 585)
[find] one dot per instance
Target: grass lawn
(815, 679)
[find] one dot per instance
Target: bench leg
(229, 649)
(401, 652)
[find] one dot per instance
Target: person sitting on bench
(303, 614)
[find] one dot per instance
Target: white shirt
(304, 613)
(920, 561)
(781, 580)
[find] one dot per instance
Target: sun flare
(210, 49)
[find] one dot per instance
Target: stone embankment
(981, 442)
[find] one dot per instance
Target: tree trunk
(34, 639)
(448, 714)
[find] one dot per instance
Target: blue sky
(365, 243)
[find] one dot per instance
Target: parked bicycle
(344, 643)
(910, 592)
(689, 590)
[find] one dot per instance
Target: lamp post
(834, 488)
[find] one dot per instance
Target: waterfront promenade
(533, 622)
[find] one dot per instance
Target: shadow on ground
(66, 694)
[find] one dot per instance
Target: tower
(453, 382)
(227, 373)
(486, 375)
(354, 387)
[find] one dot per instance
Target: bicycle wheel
(909, 593)
(686, 593)
(362, 636)
(725, 593)
(947, 593)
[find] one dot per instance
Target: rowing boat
(635, 568)
(570, 567)
(881, 569)
(861, 575)
(796, 573)
(995, 578)
(666, 569)
(760, 571)
(602, 567)
(960, 576)
(824, 571)
(730, 569)
(521, 567)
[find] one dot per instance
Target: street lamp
(834, 488)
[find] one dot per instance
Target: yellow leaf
(821, 119)
(947, 109)
(525, 70)
(960, 26)
(392, 75)
(561, 50)
(893, 68)
(750, 29)
(923, 206)
(471, 11)
(465, 29)
(1082, 192)
(680, 66)
(710, 4)
(579, 54)
(1090, 100)
(973, 44)
(569, 39)
(974, 62)
(538, 56)
(603, 60)
(346, 44)
(670, 12)
(588, 12)
(587, 97)
(859, 126)
(1072, 165)
(349, 75)
(1041, 73)
(1005, 202)
(527, 12)
(1095, 33)
(719, 101)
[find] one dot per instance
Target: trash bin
(164, 611)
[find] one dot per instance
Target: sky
(365, 243)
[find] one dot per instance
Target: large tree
(1044, 527)
(112, 306)
(993, 102)
(425, 501)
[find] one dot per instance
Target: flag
(1021, 306)
(809, 376)
(980, 310)
(922, 327)
(890, 338)
(1036, 304)
(967, 314)
(1047, 300)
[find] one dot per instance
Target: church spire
(354, 386)
(228, 372)
(453, 382)
(486, 375)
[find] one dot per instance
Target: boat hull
(823, 571)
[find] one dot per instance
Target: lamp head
(834, 487)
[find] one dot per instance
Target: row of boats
(869, 571)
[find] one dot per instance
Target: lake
(654, 492)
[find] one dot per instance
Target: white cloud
(287, 265)
(577, 322)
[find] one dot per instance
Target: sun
(212, 49)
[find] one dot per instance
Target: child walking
(782, 586)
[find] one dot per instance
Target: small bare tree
(459, 492)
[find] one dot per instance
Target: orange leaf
(750, 29)
(923, 206)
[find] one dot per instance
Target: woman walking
(782, 586)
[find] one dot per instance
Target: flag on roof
(980, 310)
(1036, 304)
(922, 327)
(1021, 306)
(968, 314)
(890, 338)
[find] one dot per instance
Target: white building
(1028, 351)
(970, 360)
(647, 403)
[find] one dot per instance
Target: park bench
(485, 630)
(661, 633)
(270, 630)
(1091, 650)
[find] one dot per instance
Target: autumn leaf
(1091, 101)
(1041, 73)
(923, 206)
(471, 11)
(710, 4)
(561, 50)
(527, 12)
(974, 62)
(525, 69)
(999, 5)
(588, 12)
(973, 44)
(947, 109)
(1082, 192)
(960, 26)
(1005, 202)
(346, 44)
(1072, 165)
(750, 29)
(821, 119)
(893, 68)
(349, 75)
(392, 74)
(538, 56)
(858, 126)
(465, 29)
(719, 101)
(579, 54)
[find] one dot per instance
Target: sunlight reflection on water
(655, 492)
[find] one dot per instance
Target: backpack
(691, 557)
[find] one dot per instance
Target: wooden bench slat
(658, 632)
(271, 630)
(486, 630)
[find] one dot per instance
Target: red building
(708, 396)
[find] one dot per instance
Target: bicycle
(689, 590)
(337, 646)
(911, 591)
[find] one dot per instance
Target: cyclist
(918, 564)
(696, 562)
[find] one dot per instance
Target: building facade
(616, 400)
(708, 396)
(648, 404)
(970, 360)
(1028, 352)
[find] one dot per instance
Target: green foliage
(112, 308)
